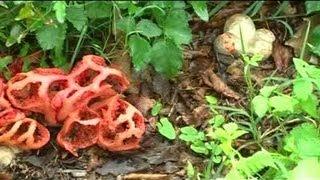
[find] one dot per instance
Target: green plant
(156, 108)
(166, 128)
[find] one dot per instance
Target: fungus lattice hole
(57, 86)
(27, 94)
(86, 77)
(132, 140)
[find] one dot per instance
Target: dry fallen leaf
(212, 80)
(135, 176)
(7, 154)
(281, 56)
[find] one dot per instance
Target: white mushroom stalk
(240, 26)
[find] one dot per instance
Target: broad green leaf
(166, 129)
(304, 141)
(211, 100)
(5, 61)
(25, 12)
(260, 105)
(98, 9)
(190, 134)
(312, 6)
(148, 28)
(199, 149)
(126, 24)
(302, 88)
(166, 58)
(156, 108)
(50, 36)
(200, 7)
(310, 105)
(308, 169)
(60, 9)
(217, 120)
(266, 91)
(139, 49)
(282, 103)
(300, 66)
(76, 15)
(176, 27)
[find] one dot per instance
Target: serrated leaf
(25, 12)
(76, 15)
(126, 24)
(260, 105)
(166, 58)
(200, 7)
(50, 36)
(176, 27)
(139, 49)
(304, 141)
(98, 9)
(312, 6)
(306, 169)
(266, 91)
(282, 103)
(310, 105)
(166, 129)
(148, 28)
(60, 9)
(156, 108)
(5, 61)
(302, 88)
(300, 66)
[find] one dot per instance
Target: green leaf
(139, 49)
(260, 105)
(211, 100)
(26, 65)
(126, 24)
(300, 66)
(76, 15)
(50, 36)
(303, 141)
(98, 9)
(217, 121)
(266, 91)
(60, 9)
(166, 58)
(314, 40)
(310, 105)
(200, 7)
(25, 12)
(190, 170)
(190, 134)
(176, 27)
(166, 129)
(156, 108)
(282, 103)
(16, 35)
(306, 169)
(148, 28)
(302, 88)
(5, 61)
(312, 6)
(199, 149)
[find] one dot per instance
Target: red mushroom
(122, 126)
(34, 90)
(80, 130)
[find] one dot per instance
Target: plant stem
(76, 51)
(305, 40)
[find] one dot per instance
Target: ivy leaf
(176, 27)
(302, 88)
(50, 36)
(166, 129)
(60, 9)
(76, 15)
(200, 7)
(25, 12)
(166, 58)
(260, 105)
(139, 49)
(98, 9)
(312, 6)
(148, 28)
(310, 106)
(156, 108)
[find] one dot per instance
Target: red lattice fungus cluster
(86, 102)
